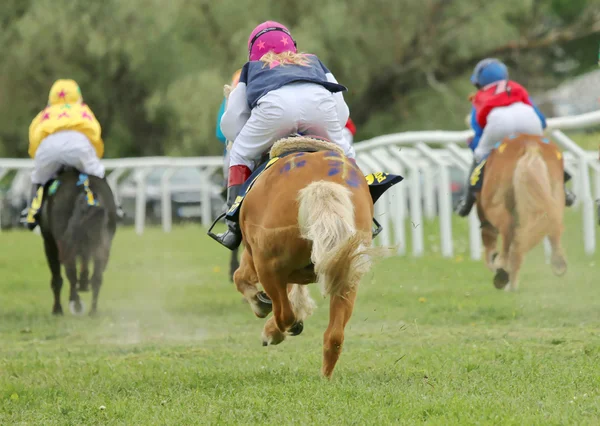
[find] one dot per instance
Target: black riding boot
(468, 199)
(231, 238)
(569, 195)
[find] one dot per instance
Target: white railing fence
(115, 168)
(425, 193)
(426, 171)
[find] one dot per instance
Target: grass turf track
(431, 341)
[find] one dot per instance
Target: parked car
(15, 199)
(186, 201)
(458, 178)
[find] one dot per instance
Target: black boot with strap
(468, 199)
(232, 237)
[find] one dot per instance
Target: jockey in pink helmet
(280, 92)
(270, 36)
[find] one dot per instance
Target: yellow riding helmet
(65, 91)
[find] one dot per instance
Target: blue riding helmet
(488, 71)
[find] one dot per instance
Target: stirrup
(212, 234)
(378, 228)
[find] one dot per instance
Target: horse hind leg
(489, 236)
(84, 272)
(502, 278)
(302, 306)
(558, 260)
(340, 311)
(75, 304)
(245, 279)
(56, 281)
(284, 319)
(515, 260)
(100, 262)
(525, 238)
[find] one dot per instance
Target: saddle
(299, 144)
(83, 181)
(50, 188)
(477, 175)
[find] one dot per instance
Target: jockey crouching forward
(234, 81)
(280, 92)
(501, 107)
(65, 133)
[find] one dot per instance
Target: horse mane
(302, 143)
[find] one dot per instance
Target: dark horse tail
(84, 227)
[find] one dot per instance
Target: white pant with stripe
(294, 108)
(506, 121)
(65, 148)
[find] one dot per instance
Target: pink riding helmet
(270, 36)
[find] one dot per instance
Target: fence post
(428, 191)
(444, 199)
(140, 201)
(587, 202)
(165, 200)
(416, 215)
(475, 242)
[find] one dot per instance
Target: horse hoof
(264, 298)
(296, 329)
(265, 343)
(559, 266)
(76, 308)
(57, 312)
(263, 306)
(501, 279)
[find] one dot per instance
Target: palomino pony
(306, 219)
(78, 221)
(523, 199)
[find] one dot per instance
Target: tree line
(153, 71)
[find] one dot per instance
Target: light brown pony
(523, 199)
(306, 219)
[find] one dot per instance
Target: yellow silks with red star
(65, 111)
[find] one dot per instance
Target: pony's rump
(326, 218)
(533, 190)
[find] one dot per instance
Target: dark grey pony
(74, 230)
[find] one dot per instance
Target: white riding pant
(226, 161)
(506, 121)
(65, 148)
(294, 108)
(348, 136)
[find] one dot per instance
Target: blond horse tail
(536, 207)
(339, 253)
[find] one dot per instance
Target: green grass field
(588, 141)
(431, 341)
